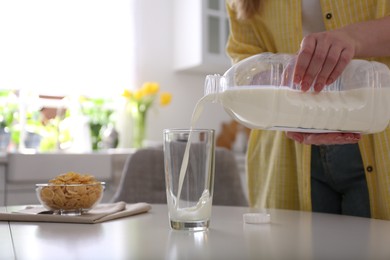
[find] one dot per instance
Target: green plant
(98, 111)
(8, 108)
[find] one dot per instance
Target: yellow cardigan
(279, 168)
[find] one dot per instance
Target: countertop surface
(289, 235)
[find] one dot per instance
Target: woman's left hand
(324, 138)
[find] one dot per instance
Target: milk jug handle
(214, 84)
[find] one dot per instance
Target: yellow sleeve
(242, 42)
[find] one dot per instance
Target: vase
(139, 127)
(109, 137)
(95, 134)
(5, 138)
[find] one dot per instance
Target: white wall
(154, 62)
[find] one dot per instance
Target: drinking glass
(189, 177)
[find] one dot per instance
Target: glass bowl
(70, 199)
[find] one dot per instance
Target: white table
(291, 235)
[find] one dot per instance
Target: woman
(334, 173)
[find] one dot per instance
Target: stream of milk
(202, 209)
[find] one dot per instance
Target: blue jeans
(338, 181)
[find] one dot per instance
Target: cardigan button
(328, 16)
(369, 168)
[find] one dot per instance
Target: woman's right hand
(322, 58)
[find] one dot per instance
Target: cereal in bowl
(71, 191)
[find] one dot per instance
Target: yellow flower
(139, 94)
(139, 102)
(144, 97)
(150, 88)
(82, 99)
(127, 93)
(165, 98)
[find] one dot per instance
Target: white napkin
(100, 213)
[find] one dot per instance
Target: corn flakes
(71, 191)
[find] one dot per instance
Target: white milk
(281, 108)
(201, 211)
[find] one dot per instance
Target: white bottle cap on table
(257, 218)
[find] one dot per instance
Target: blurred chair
(143, 179)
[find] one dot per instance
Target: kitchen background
(90, 51)
(175, 43)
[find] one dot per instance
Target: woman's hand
(322, 58)
(324, 55)
(324, 138)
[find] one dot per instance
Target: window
(61, 47)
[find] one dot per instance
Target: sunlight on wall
(65, 47)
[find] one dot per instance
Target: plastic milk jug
(259, 93)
